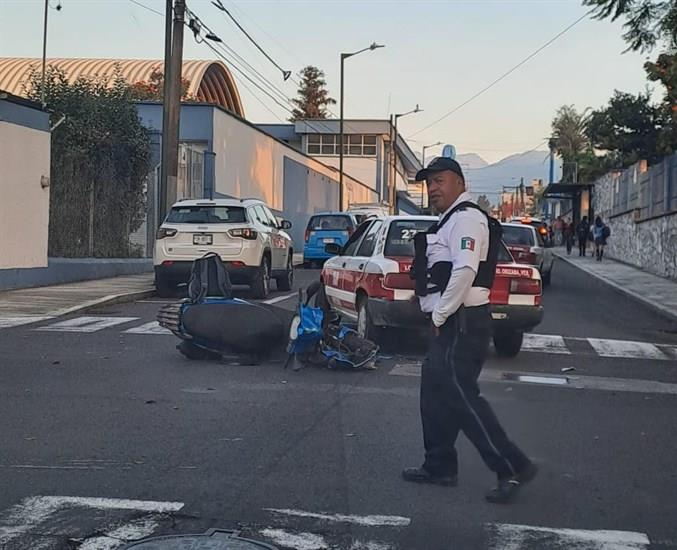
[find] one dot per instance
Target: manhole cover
(214, 539)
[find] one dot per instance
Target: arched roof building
(210, 81)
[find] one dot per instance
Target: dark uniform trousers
(451, 400)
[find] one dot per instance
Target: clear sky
(437, 54)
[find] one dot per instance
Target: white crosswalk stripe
(149, 328)
(86, 324)
(30, 517)
(9, 322)
(545, 343)
(620, 348)
(504, 536)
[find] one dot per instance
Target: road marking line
(297, 541)
(280, 298)
(630, 385)
(626, 349)
(515, 537)
(33, 511)
(545, 343)
(86, 324)
(371, 521)
(9, 322)
(549, 380)
(134, 530)
(149, 328)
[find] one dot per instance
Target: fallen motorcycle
(212, 324)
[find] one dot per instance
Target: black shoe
(507, 489)
(421, 475)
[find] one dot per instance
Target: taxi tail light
(525, 286)
(163, 232)
(399, 281)
(307, 237)
(243, 233)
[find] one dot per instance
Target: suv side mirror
(285, 224)
(333, 248)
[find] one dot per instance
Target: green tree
(647, 22)
(99, 164)
(664, 70)
(313, 97)
(628, 128)
(484, 203)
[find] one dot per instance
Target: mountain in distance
(489, 179)
(471, 161)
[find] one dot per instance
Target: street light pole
(340, 205)
(345, 56)
(393, 154)
(423, 164)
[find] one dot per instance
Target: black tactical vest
(435, 279)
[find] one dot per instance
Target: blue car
(325, 228)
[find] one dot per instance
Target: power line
(285, 73)
(486, 88)
(147, 7)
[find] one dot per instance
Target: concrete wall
(24, 203)
(250, 163)
(650, 244)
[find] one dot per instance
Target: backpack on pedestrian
(209, 278)
(606, 232)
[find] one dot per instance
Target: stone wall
(650, 243)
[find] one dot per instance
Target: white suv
(243, 232)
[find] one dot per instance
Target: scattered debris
(56, 362)
(151, 402)
(568, 369)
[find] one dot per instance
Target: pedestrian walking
(559, 227)
(454, 267)
(568, 234)
(600, 233)
(582, 231)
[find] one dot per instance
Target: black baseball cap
(440, 164)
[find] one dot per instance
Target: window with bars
(353, 146)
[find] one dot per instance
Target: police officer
(458, 306)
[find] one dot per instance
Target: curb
(106, 300)
(657, 308)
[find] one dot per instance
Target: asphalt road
(145, 441)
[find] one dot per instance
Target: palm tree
(569, 137)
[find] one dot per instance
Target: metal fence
(189, 185)
(648, 192)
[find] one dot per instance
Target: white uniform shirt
(464, 241)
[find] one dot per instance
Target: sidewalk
(29, 305)
(658, 293)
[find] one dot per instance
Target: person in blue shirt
(599, 235)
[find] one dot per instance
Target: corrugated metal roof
(210, 81)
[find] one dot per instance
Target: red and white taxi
(368, 282)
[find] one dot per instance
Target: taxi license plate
(327, 241)
(499, 316)
(202, 239)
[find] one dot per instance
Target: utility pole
(522, 196)
(171, 105)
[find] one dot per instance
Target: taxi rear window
(400, 240)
